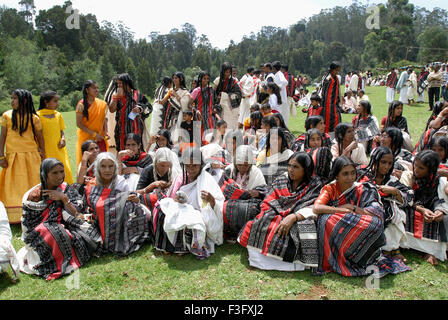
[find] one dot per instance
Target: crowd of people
(218, 163)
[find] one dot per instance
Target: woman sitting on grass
(123, 222)
(190, 219)
(90, 151)
(57, 238)
(351, 222)
(426, 219)
(132, 160)
(282, 237)
(395, 197)
(311, 123)
(439, 144)
(347, 145)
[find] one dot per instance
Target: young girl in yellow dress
(21, 134)
(53, 127)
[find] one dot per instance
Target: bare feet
(431, 259)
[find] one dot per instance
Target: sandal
(397, 254)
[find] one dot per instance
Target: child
(253, 108)
(266, 110)
(275, 99)
(20, 128)
(217, 136)
(53, 127)
(313, 139)
(395, 118)
(187, 125)
(310, 123)
(315, 109)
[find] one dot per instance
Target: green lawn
(147, 274)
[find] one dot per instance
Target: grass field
(147, 274)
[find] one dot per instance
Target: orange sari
(97, 116)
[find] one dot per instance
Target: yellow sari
(97, 115)
(52, 125)
(23, 169)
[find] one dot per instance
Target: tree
(434, 44)
(28, 10)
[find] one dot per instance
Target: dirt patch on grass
(316, 292)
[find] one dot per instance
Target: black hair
(181, 77)
(340, 163)
(23, 116)
(375, 159)
(339, 133)
(250, 69)
(282, 134)
(257, 115)
(268, 65)
(437, 108)
(396, 137)
(201, 75)
(45, 98)
(316, 97)
(276, 65)
(430, 159)
(334, 65)
(441, 141)
(367, 109)
(133, 136)
(191, 154)
(87, 84)
(166, 133)
(127, 80)
(309, 134)
(224, 67)
(257, 71)
(285, 66)
(282, 121)
(255, 106)
(86, 145)
(312, 121)
(306, 162)
(276, 91)
(188, 112)
(46, 166)
(391, 112)
(270, 121)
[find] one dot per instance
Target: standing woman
(330, 94)
(91, 119)
(132, 109)
(160, 105)
(229, 95)
(53, 127)
(180, 101)
(350, 226)
(21, 134)
(204, 99)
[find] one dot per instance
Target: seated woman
(116, 211)
(244, 190)
(311, 123)
(281, 124)
(217, 136)
(132, 160)
(161, 140)
(252, 134)
(439, 144)
(282, 237)
(56, 237)
(322, 159)
(426, 219)
(395, 197)
(267, 123)
(273, 161)
(437, 123)
(8, 256)
(395, 119)
(190, 219)
(365, 125)
(313, 139)
(90, 151)
(351, 222)
(347, 145)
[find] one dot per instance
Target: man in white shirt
(282, 83)
(354, 82)
(248, 87)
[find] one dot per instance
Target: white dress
(8, 256)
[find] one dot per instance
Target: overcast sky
(220, 23)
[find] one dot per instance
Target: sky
(221, 24)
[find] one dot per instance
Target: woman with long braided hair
(91, 119)
(21, 134)
(132, 109)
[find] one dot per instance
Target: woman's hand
(56, 195)
(125, 153)
(120, 93)
(286, 224)
(133, 197)
(254, 193)
(207, 197)
(438, 216)
(397, 173)
(4, 164)
(61, 143)
(388, 190)
(137, 109)
(86, 157)
(428, 215)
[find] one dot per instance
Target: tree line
(47, 55)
